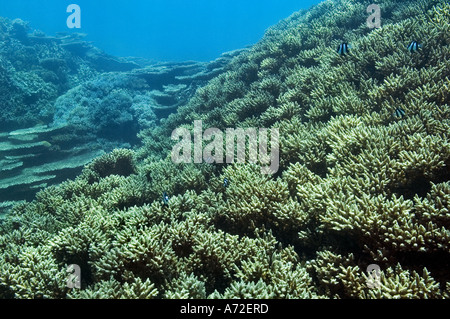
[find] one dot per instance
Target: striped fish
(399, 113)
(344, 48)
(414, 46)
(165, 199)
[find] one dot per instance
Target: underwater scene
(254, 150)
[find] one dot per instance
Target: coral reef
(117, 105)
(34, 71)
(357, 185)
(65, 102)
(39, 156)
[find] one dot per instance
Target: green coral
(357, 186)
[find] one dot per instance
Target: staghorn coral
(112, 289)
(357, 185)
(402, 284)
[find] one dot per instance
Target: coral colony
(359, 141)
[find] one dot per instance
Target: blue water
(163, 30)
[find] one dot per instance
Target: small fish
(165, 199)
(344, 48)
(226, 182)
(414, 46)
(399, 113)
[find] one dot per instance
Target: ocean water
(161, 30)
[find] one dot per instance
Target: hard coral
(358, 186)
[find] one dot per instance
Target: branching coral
(360, 182)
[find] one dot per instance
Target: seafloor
(363, 179)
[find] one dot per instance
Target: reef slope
(358, 185)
